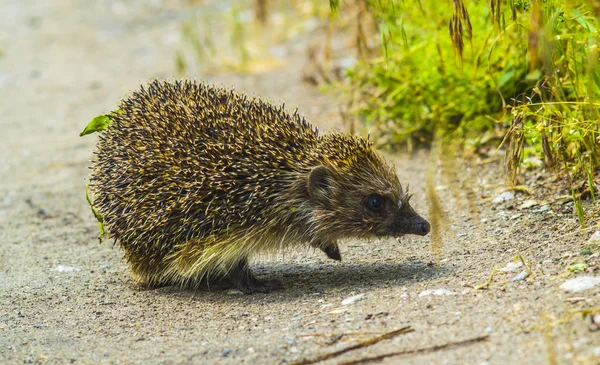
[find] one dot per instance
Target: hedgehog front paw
(331, 249)
(247, 283)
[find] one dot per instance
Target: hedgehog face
(363, 202)
(390, 216)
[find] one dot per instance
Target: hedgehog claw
(331, 249)
(247, 283)
(333, 252)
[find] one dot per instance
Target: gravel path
(66, 299)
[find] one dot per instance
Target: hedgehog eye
(375, 203)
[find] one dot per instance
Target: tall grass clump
(441, 68)
(519, 74)
(558, 119)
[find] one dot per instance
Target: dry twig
(426, 350)
(359, 345)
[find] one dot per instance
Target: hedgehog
(193, 181)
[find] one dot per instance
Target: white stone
(511, 266)
(435, 292)
(522, 275)
(353, 299)
(595, 237)
(580, 283)
(64, 268)
(504, 197)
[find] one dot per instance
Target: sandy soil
(66, 299)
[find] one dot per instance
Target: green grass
(522, 75)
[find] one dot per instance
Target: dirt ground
(66, 299)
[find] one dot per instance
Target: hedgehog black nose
(423, 227)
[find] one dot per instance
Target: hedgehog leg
(331, 249)
(247, 283)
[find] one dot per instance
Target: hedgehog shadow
(302, 279)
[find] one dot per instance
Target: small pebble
(435, 292)
(511, 266)
(522, 275)
(596, 320)
(595, 238)
(226, 352)
(64, 268)
(541, 209)
(504, 197)
(528, 204)
(353, 299)
(580, 283)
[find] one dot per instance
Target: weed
(520, 74)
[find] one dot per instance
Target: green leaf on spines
(99, 123)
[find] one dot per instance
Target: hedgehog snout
(422, 227)
(409, 222)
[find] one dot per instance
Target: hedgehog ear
(319, 183)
